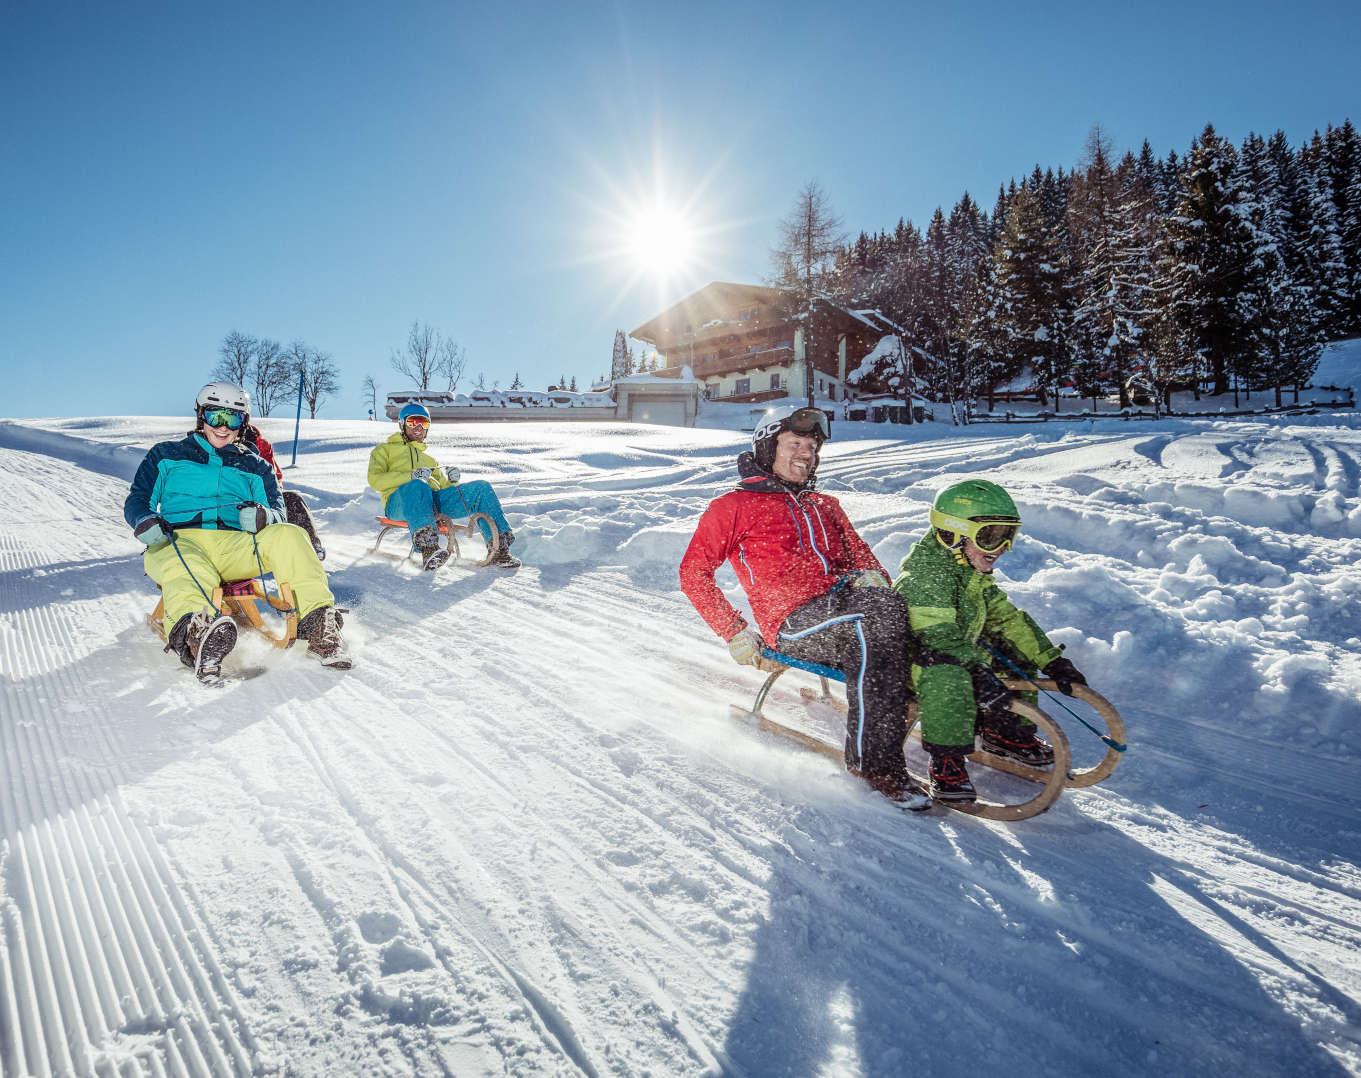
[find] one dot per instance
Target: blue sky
(334, 171)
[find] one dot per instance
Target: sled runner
(240, 600)
(1050, 781)
(447, 528)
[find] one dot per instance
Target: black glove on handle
(1064, 674)
(989, 694)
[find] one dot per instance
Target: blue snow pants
(417, 504)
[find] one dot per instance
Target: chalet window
(743, 386)
(748, 314)
(775, 380)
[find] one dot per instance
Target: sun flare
(660, 240)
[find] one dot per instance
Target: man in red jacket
(816, 589)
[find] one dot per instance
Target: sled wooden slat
(1050, 780)
(447, 527)
(808, 741)
(239, 603)
(1115, 730)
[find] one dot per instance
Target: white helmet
(795, 417)
(222, 395)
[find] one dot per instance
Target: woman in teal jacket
(209, 509)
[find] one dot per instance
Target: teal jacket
(193, 485)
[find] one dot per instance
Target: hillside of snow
(524, 836)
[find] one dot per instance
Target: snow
(523, 835)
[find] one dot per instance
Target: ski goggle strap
(224, 417)
(989, 536)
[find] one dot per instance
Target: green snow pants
(213, 555)
(945, 703)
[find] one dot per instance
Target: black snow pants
(298, 514)
(861, 632)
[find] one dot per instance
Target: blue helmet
(408, 410)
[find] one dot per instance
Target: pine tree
(1108, 297)
(1275, 302)
(1206, 251)
(1342, 149)
(516, 383)
(1030, 286)
(573, 387)
(619, 364)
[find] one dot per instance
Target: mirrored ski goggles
(990, 538)
(418, 421)
(224, 417)
(809, 421)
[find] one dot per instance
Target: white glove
(869, 578)
(451, 473)
(745, 648)
(422, 473)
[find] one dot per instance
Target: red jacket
(263, 446)
(786, 548)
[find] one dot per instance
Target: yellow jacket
(392, 462)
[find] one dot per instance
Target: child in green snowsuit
(957, 612)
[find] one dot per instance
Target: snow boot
(426, 542)
(900, 788)
(1015, 740)
(950, 779)
(501, 557)
(321, 630)
(202, 640)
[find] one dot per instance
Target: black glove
(152, 530)
(253, 516)
(1064, 674)
(989, 694)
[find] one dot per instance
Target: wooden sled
(1050, 781)
(447, 527)
(240, 599)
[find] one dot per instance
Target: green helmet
(965, 511)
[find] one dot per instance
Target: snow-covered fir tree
(1030, 286)
(621, 364)
(1206, 250)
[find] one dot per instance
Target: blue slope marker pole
(297, 424)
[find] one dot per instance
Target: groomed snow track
(105, 969)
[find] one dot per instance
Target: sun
(660, 240)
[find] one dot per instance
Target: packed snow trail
(523, 835)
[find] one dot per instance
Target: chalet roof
(714, 302)
(709, 312)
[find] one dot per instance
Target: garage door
(670, 412)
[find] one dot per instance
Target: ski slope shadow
(67, 581)
(950, 947)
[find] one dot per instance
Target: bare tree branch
(810, 239)
(237, 353)
(272, 374)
